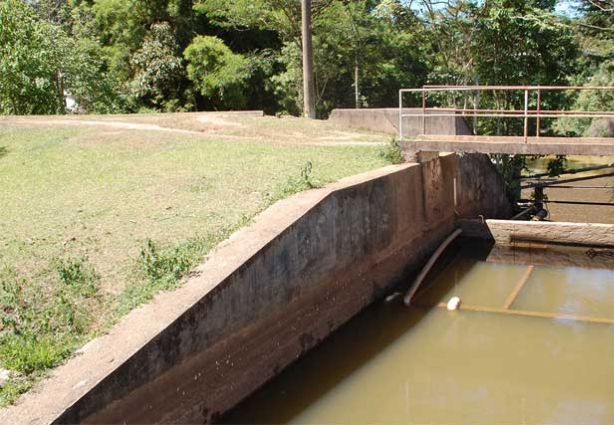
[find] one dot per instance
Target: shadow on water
(347, 350)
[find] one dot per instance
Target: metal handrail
(475, 112)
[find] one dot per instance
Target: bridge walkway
(467, 104)
(590, 146)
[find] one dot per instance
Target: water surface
(427, 365)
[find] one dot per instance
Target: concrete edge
(99, 357)
(511, 233)
(533, 254)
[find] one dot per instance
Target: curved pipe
(429, 265)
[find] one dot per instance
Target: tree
(158, 69)
(593, 100)
(33, 55)
(595, 34)
(522, 43)
(595, 28)
(40, 63)
(281, 16)
(217, 72)
(502, 42)
(366, 51)
(309, 108)
(139, 49)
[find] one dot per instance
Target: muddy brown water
(427, 365)
(601, 191)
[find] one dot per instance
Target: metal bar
(450, 112)
(476, 101)
(539, 198)
(530, 112)
(507, 114)
(400, 115)
(543, 315)
(574, 171)
(558, 182)
(523, 213)
(582, 187)
(595, 204)
(502, 114)
(414, 287)
(518, 287)
(577, 114)
(526, 116)
(507, 88)
(423, 112)
(539, 105)
(512, 87)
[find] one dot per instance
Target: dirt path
(219, 126)
(111, 124)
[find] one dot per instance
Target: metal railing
(526, 113)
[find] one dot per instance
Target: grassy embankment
(95, 221)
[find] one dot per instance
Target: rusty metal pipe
(429, 265)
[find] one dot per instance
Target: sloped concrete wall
(272, 292)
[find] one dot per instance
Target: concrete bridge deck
(454, 102)
(593, 146)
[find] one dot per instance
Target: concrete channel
(275, 290)
(268, 295)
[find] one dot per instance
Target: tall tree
(309, 108)
(158, 68)
(217, 72)
(33, 61)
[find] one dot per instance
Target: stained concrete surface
(387, 120)
(510, 233)
(539, 254)
(444, 142)
(271, 292)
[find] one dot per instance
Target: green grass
(95, 221)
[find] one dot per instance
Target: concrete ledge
(253, 113)
(512, 145)
(533, 254)
(512, 233)
(262, 299)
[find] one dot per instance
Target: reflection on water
(393, 365)
(569, 291)
(574, 162)
(573, 212)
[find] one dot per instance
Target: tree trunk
(309, 97)
(357, 83)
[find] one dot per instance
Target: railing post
(423, 111)
(400, 115)
(476, 101)
(526, 115)
(539, 107)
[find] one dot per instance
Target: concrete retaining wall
(480, 188)
(387, 121)
(273, 291)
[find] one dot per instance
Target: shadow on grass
(3, 152)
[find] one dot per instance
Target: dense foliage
(183, 55)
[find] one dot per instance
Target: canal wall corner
(264, 297)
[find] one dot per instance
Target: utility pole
(309, 89)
